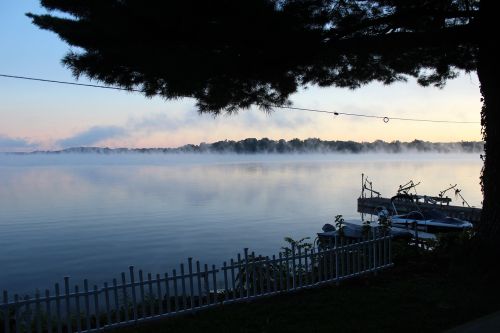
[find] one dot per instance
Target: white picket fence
(137, 298)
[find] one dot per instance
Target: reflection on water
(93, 216)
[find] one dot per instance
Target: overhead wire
(386, 119)
(67, 82)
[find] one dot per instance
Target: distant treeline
(266, 146)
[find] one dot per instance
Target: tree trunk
(489, 75)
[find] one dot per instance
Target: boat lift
(457, 194)
(371, 201)
(364, 186)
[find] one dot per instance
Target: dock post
(362, 185)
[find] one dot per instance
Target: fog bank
(294, 146)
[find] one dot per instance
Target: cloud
(278, 118)
(166, 122)
(15, 144)
(250, 119)
(188, 123)
(92, 136)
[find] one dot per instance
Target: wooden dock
(369, 206)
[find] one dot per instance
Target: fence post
(151, 296)
(275, 266)
(294, 270)
(233, 279)
(183, 285)
(226, 286)
(58, 308)
(306, 267)
(337, 263)
(96, 308)
(27, 321)
(160, 294)
(312, 267)
(330, 258)
(301, 268)
(77, 303)
(6, 315)
(350, 258)
(247, 275)
(380, 243)
(47, 310)
(134, 298)
(108, 307)
(268, 277)
(141, 291)
(358, 252)
(318, 260)
(287, 272)
(68, 317)
(241, 277)
(16, 313)
(167, 292)
(176, 296)
(325, 264)
(191, 283)
(390, 250)
(261, 268)
(343, 257)
(87, 304)
(369, 249)
(117, 307)
(384, 252)
(125, 298)
(214, 281)
(254, 275)
(198, 277)
(38, 314)
(205, 280)
(280, 274)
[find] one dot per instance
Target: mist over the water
(132, 157)
(294, 146)
(92, 215)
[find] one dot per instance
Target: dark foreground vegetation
(424, 292)
(311, 145)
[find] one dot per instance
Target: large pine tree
(231, 54)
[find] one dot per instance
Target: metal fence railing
(136, 297)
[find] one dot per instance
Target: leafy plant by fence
(137, 298)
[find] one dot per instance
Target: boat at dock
(430, 221)
(372, 202)
(355, 231)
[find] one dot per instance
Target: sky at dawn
(36, 115)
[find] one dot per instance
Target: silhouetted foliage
(231, 54)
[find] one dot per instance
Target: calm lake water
(94, 215)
